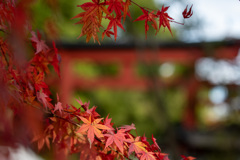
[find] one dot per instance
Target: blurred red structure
(128, 56)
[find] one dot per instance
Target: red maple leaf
(114, 22)
(39, 82)
(7, 11)
(39, 44)
(187, 14)
(164, 18)
(88, 111)
(107, 122)
(42, 139)
(187, 158)
(126, 9)
(117, 138)
(115, 5)
(107, 33)
(162, 156)
(58, 106)
(92, 128)
(155, 145)
(44, 99)
(87, 153)
(56, 59)
(148, 17)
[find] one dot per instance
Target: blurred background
(182, 89)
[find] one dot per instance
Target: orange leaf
(136, 146)
(91, 19)
(92, 128)
(42, 139)
(147, 156)
(126, 9)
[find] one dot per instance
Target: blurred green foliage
(131, 106)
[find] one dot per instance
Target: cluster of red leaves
(6, 14)
(116, 12)
(25, 100)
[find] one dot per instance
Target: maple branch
(74, 123)
(4, 56)
(119, 152)
(177, 22)
(1, 30)
(70, 113)
(145, 8)
(57, 116)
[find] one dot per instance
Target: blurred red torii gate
(128, 56)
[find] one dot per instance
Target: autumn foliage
(116, 12)
(28, 114)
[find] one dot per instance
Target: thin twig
(4, 55)
(145, 8)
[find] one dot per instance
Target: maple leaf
(107, 33)
(162, 156)
(87, 153)
(107, 122)
(148, 17)
(85, 105)
(187, 14)
(42, 139)
(92, 112)
(44, 99)
(90, 28)
(7, 11)
(58, 106)
(144, 140)
(39, 82)
(115, 5)
(91, 19)
(39, 44)
(92, 128)
(147, 156)
(40, 63)
(187, 158)
(88, 111)
(126, 9)
(164, 18)
(56, 59)
(117, 138)
(155, 145)
(95, 8)
(136, 145)
(114, 22)
(128, 127)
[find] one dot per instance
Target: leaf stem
(57, 116)
(145, 8)
(4, 55)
